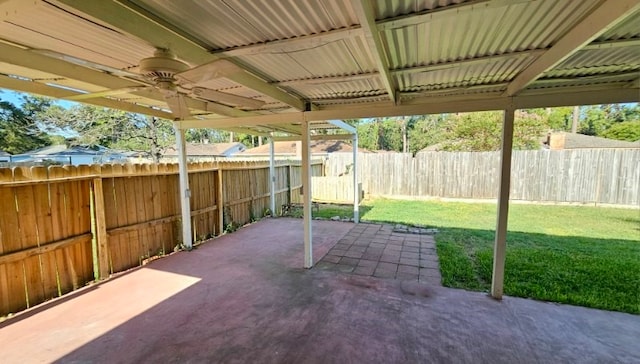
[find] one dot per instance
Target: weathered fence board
(48, 218)
(599, 176)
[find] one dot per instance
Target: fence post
(101, 229)
(289, 183)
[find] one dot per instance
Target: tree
(427, 130)
(19, 126)
(207, 136)
(482, 131)
(91, 125)
(626, 130)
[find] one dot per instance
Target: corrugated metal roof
(342, 57)
(253, 21)
(322, 54)
(475, 74)
(488, 31)
(45, 26)
(622, 57)
(626, 29)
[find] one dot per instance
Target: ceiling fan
(176, 81)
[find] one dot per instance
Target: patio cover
(290, 68)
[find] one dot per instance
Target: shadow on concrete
(244, 298)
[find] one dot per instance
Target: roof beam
(136, 22)
(285, 46)
(454, 64)
(602, 18)
(37, 88)
(366, 16)
(24, 57)
(342, 125)
(416, 69)
(529, 99)
(27, 58)
(608, 44)
(314, 137)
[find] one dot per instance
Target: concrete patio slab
(243, 298)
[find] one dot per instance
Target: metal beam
(258, 120)
(133, 20)
(342, 125)
(500, 243)
(37, 88)
(26, 58)
(356, 190)
(451, 64)
(315, 137)
(437, 13)
(185, 192)
(434, 105)
(306, 198)
(297, 44)
(272, 178)
(366, 17)
(602, 18)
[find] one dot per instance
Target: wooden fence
(598, 176)
(62, 227)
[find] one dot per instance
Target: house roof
(61, 149)
(317, 147)
(205, 149)
(581, 141)
(4, 154)
(323, 60)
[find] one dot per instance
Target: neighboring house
(74, 155)
(294, 149)
(204, 151)
(4, 157)
(563, 140)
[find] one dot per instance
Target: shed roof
(581, 141)
(317, 147)
(293, 61)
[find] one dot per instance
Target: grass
(587, 256)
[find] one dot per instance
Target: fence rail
(599, 176)
(62, 227)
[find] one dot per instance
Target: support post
(272, 177)
(356, 190)
(101, 229)
(306, 186)
(500, 243)
(185, 193)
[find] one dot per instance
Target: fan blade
(177, 104)
(226, 98)
(208, 71)
(94, 95)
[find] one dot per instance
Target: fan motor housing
(162, 66)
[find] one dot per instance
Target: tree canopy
(37, 122)
(19, 126)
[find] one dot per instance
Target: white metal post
(500, 244)
(272, 177)
(185, 193)
(356, 190)
(306, 186)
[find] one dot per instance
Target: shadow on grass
(591, 272)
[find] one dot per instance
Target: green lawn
(580, 255)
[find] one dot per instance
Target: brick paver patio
(376, 250)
